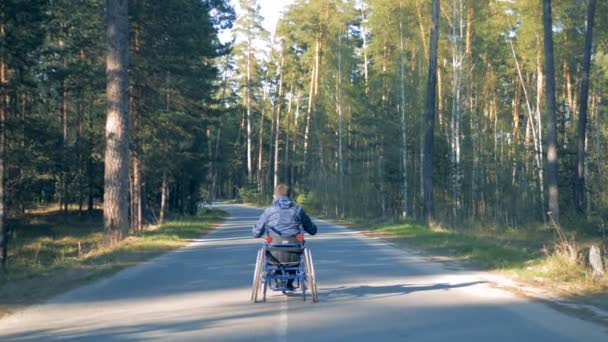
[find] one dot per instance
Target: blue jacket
(283, 218)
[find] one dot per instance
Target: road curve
(369, 291)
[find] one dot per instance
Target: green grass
(489, 252)
(51, 254)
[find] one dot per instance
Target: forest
(461, 112)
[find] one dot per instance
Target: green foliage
(249, 194)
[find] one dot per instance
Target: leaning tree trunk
(430, 118)
(551, 113)
(116, 174)
(579, 184)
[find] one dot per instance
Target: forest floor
(529, 256)
(51, 253)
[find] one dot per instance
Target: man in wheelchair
(282, 222)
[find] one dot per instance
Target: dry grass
(532, 254)
(51, 254)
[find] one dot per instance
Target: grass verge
(527, 254)
(52, 253)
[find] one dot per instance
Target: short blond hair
(281, 190)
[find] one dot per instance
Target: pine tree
(116, 222)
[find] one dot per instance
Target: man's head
(281, 190)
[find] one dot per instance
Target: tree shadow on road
(369, 291)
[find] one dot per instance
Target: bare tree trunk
(551, 113)
(116, 174)
(136, 200)
(164, 198)
(64, 167)
(313, 86)
(421, 26)
(286, 157)
(579, 184)
(429, 210)
(538, 149)
(3, 95)
(457, 61)
(136, 192)
(261, 137)
(214, 191)
(404, 211)
(277, 142)
(365, 57)
(248, 105)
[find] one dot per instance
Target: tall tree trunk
(457, 61)
(404, 212)
(365, 57)
(421, 26)
(277, 145)
(136, 199)
(314, 79)
(429, 209)
(260, 175)
(248, 105)
(579, 184)
(136, 193)
(286, 157)
(339, 202)
(164, 198)
(551, 113)
(538, 148)
(3, 95)
(116, 174)
(65, 144)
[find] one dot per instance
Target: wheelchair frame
(266, 272)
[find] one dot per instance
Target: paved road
(369, 291)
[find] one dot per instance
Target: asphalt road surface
(368, 289)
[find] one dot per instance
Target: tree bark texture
(551, 113)
(116, 173)
(164, 198)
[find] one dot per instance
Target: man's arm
(260, 227)
(307, 224)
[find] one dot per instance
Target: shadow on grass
(53, 253)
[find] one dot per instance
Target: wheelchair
(284, 259)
